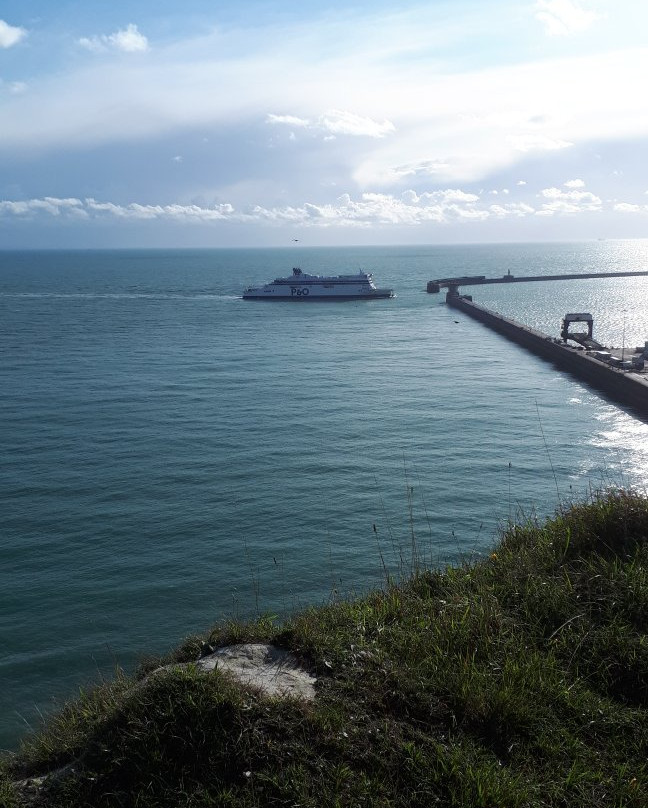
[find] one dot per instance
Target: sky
(209, 124)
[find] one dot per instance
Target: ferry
(302, 286)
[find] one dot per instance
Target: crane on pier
(584, 339)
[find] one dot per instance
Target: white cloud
(177, 89)
(627, 207)
(127, 40)
(173, 212)
(371, 209)
(49, 204)
(531, 141)
(13, 87)
(451, 195)
(93, 44)
(347, 123)
(337, 122)
(515, 210)
(10, 35)
(556, 193)
(290, 120)
(574, 184)
(424, 168)
(564, 17)
(368, 210)
(537, 107)
(399, 122)
(569, 201)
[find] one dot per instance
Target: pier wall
(625, 387)
(480, 280)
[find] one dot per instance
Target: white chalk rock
(274, 671)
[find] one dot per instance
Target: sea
(173, 456)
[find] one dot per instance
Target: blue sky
(253, 123)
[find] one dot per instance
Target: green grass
(517, 680)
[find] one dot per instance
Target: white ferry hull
(303, 293)
(302, 287)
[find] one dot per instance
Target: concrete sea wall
(627, 388)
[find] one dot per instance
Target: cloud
(564, 17)
(527, 142)
(346, 123)
(289, 120)
(402, 114)
(337, 122)
(50, 205)
(10, 35)
(568, 202)
(516, 210)
(369, 210)
(450, 196)
(13, 87)
(424, 168)
(127, 40)
(182, 213)
(375, 210)
(574, 184)
(627, 207)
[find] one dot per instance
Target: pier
(627, 387)
(453, 284)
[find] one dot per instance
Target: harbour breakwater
(628, 388)
(481, 280)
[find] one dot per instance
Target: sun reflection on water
(624, 439)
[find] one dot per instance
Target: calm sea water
(172, 455)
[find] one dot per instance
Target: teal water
(172, 455)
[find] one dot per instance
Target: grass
(517, 680)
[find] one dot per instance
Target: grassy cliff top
(517, 680)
